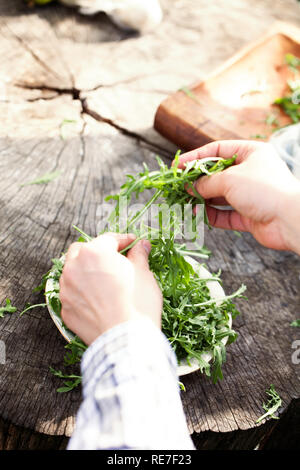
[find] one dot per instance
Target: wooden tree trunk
(79, 96)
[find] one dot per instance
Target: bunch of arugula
(288, 104)
(169, 183)
(193, 322)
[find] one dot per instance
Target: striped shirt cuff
(137, 337)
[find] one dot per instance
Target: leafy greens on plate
(193, 322)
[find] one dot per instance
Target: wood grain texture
(60, 66)
(20, 438)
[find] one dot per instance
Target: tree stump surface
(78, 96)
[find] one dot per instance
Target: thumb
(211, 186)
(139, 254)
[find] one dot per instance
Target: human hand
(100, 288)
(263, 193)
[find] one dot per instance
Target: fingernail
(147, 246)
(197, 185)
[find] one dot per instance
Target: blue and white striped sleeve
(131, 396)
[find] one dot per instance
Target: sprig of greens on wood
(45, 179)
(8, 308)
(272, 405)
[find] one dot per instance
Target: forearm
(131, 393)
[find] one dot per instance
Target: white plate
(216, 292)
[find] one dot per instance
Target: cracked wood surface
(57, 66)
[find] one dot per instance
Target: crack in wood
(129, 80)
(75, 93)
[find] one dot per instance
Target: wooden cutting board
(235, 101)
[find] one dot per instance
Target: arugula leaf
(258, 136)
(189, 93)
(53, 296)
(237, 233)
(272, 404)
(290, 109)
(8, 308)
(296, 323)
(69, 385)
(63, 125)
(293, 62)
(75, 348)
(272, 120)
(45, 179)
(30, 307)
(38, 2)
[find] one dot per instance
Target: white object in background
(141, 15)
(287, 144)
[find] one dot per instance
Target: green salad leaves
(193, 322)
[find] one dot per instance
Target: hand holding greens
(193, 322)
